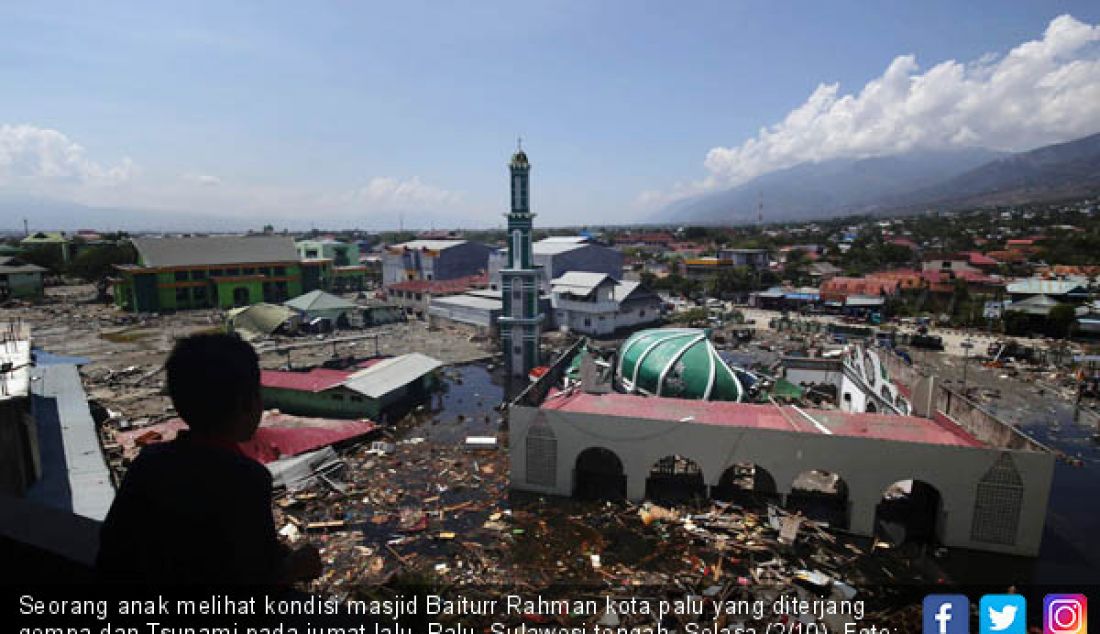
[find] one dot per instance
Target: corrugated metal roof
(74, 474)
(316, 380)
(582, 281)
(879, 426)
(1034, 286)
(559, 244)
(431, 245)
(469, 301)
(196, 251)
(319, 300)
(391, 374)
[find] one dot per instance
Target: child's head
(214, 382)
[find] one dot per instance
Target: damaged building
(648, 425)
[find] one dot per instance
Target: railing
(533, 395)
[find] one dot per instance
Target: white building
(557, 255)
(597, 304)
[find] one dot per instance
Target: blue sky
(353, 113)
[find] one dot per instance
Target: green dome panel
(676, 363)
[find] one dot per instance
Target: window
(250, 271)
(232, 271)
(641, 313)
(418, 297)
(280, 270)
(199, 294)
(182, 296)
(587, 321)
(542, 456)
(198, 274)
(181, 276)
(998, 504)
(517, 349)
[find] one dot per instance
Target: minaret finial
(519, 144)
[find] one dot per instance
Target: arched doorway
(871, 407)
(746, 483)
(598, 475)
(674, 480)
(821, 496)
(910, 512)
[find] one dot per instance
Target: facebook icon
(946, 614)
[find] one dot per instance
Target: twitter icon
(1002, 614)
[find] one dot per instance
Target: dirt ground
(127, 351)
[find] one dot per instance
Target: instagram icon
(1065, 614)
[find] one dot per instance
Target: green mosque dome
(676, 363)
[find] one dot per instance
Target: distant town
(548, 404)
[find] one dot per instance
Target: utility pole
(966, 346)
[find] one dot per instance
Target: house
(821, 271)
(597, 304)
(19, 279)
(474, 308)
(364, 393)
(212, 271)
(431, 260)
(950, 264)
(726, 259)
(261, 320)
(342, 269)
(318, 305)
(558, 255)
(1067, 290)
(55, 239)
(839, 289)
(415, 296)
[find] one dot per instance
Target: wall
(323, 404)
(470, 258)
(25, 284)
(868, 466)
(19, 458)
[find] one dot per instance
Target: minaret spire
(520, 319)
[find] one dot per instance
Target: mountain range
(901, 183)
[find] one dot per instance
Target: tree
(1060, 320)
(48, 256)
(94, 263)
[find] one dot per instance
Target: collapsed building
(665, 416)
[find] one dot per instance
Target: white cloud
(39, 157)
(208, 180)
(384, 192)
(1043, 91)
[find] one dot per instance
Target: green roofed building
(676, 363)
(211, 272)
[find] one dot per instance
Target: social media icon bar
(1002, 614)
(946, 614)
(1065, 614)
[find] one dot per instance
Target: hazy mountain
(1054, 171)
(50, 214)
(901, 183)
(832, 187)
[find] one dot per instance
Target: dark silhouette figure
(197, 510)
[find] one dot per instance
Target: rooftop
(429, 245)
(197, 251)
(316, 380)
(732, 414)
(559, 244)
